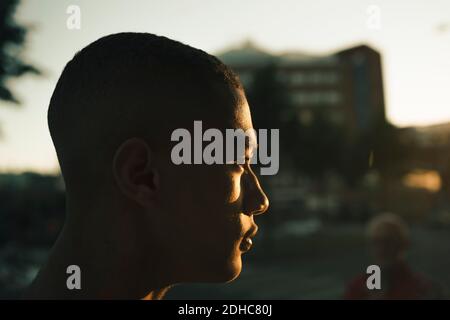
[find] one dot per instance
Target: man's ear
(135, 172)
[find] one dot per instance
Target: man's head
(111, 117)
(389, 236)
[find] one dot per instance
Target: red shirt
(403, 284)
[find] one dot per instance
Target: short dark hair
(110, 85)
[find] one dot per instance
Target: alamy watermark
(240, 147)
(74, 279)
(373, 21)
(373, 281)
(73, 21)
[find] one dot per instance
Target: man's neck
(110, 268)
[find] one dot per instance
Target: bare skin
(154, 225)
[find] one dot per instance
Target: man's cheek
(222, 187)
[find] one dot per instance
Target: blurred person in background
(389, 238)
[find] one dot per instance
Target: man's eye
(244, 160)
(244, 165)
(241, 162)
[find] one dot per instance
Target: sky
(412, 36)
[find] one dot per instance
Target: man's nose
(255, 200)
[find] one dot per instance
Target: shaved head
(131, 85)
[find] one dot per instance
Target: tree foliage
(12, 40)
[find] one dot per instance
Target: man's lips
(247, 243)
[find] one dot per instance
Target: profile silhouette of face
(209, 210)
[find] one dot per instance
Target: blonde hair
(390, 223)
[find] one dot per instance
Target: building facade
(347, 85)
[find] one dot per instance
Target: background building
(346, 85)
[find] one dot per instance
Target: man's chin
(224, 273)
(234, 268)
(232, 276)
